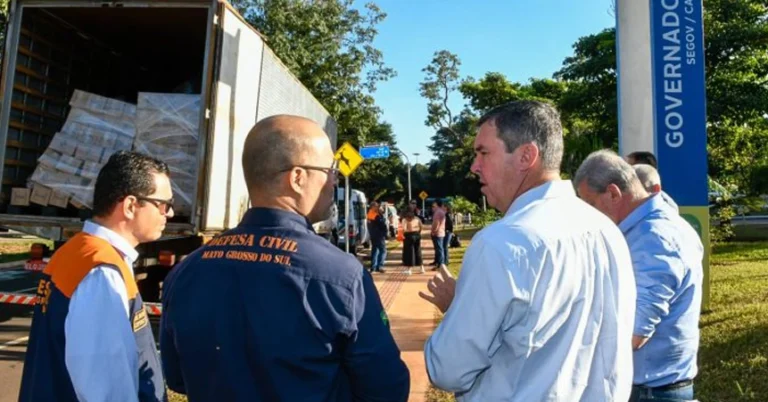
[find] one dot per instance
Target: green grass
(18, 249)
(733, 356)
(733, 353)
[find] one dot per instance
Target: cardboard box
(89, 152)
(68, 164)
(63, 143)
(58, 199)
(49, 159)
(40, 195)
(90, 170)
(20, 196)
(85, 134)
(76, 204)
(108, 106)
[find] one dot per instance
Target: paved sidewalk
(411, 318)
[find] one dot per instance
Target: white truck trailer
(118, 50)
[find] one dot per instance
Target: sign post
(423, 195)
(349, 159)
(408, 168)
(662, 101)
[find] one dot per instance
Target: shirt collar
(117, 241)
(550, 189)
(267, 217)
(655, 202)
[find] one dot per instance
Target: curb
(12, 264)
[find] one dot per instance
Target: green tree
(328, 45)
(736, 62)
(3, 21)
(589, 105)
(462, 205)
(454, 132)
(453, 139)
(441, 81)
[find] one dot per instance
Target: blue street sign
(374, 151)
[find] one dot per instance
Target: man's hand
(442, 288)
(638, 342)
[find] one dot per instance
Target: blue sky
(519, 38)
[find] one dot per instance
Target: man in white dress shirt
(543, 309)
(90, 338)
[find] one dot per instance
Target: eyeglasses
(331, 171)
(164, 206)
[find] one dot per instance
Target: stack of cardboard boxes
(164, 126)
(96, 127)
(167, 129)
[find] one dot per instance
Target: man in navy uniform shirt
(270, 311)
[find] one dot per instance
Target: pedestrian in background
(377, 227)
(448, 232)
(412, 241)
(438, 233)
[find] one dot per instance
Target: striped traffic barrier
(30, 299)
(18, 298)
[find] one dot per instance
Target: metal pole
(346, 212)
(408, 165)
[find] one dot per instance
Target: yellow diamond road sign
(349, 159)
(423, 195)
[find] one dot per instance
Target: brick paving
(412, 319)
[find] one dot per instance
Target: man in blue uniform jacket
(270, 311)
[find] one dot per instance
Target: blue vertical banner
(679, 111)
(679, 98)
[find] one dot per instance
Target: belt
(669, 387)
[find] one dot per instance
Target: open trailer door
(234, 104)
(116, 50)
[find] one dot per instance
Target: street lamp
(416, 154)
(408, 167)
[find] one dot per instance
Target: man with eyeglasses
(270, 311)
(90, 338)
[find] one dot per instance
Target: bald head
(278, 143)
(288, 164)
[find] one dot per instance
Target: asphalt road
(14, 329)
(15, 322)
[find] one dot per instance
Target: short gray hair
(648, 176)
(603, 168)
(521, 122)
